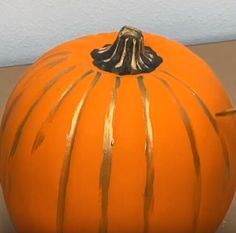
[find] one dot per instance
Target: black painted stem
(127, 55)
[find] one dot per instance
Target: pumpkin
(111, 133)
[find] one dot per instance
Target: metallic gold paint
(40, 135)
(68, 155)
(33, 181)
(195, 152)
(106, 165)
(148, 193)
(211, 118)
(21, 126)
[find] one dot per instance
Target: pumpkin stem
(127, 55)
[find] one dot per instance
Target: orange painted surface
(31, 179)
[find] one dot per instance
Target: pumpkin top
(127, 55)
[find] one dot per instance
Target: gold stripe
(68, 155)
(133, 60)
(40, 135)
(148, 194)
(54, 55)
(45, 90)
(106, 165)
(141, 49)
(19, 96)
(121, 61)
(113, 54)
(210, 118)
(48, 57)
(104, 49)
(37, 72)
(8, 113)
(196, 157)
(226, 112)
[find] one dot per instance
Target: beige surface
(220, 56)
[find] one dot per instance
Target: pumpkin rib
(47, 57)
(10, 109)
(196, 157)
(6, 116)
(148, 193)
(41, 61)
(40, 135)
(106, 165)
(68, 155)
(45, 90)
(38, 63)
(211, 119)
(20, 128)
(16, 99)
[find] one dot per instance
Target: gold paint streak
(68, 156)
(13, 105)
(66, 93)
(54, 55)
(226, 112)
(139, 66)
(40, 135)
(149, 56)
(8, 113)
(141, 61)
(39, 139)
(141, 49)
(196, 157)
(113, 54)
(133, 61)
(52, 64)
(48, 66)
(211, 119)
(119, 64)
(38, 69)
(45, 90)
(104, 49)
(106, 165)
(130, 31)
(19, 96)
(148, 194)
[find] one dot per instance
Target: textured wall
(28, 27)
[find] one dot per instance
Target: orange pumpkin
(125, 138)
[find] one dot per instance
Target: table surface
(220, 56)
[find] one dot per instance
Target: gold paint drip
(106, 165)
(45, 90)
(61, 53)
(148, 194)
(196, 157)
(68, 155)
(226, 112)
(16, 100)
(40, 135)
(211, 119)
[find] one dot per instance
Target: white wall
(29, 27)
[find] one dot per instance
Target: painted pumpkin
(107, 133)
